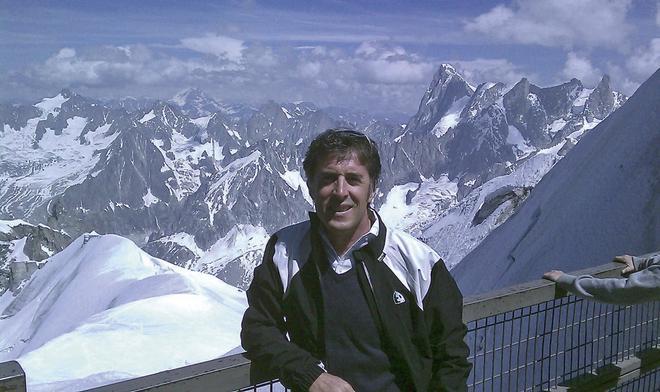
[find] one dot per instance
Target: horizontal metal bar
(526, 294)
(616, 374)
(222, 374)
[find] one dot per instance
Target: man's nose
(341, 188)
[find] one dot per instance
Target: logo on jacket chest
(398, 298)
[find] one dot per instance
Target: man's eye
(327, 179)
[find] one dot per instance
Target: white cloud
(366, 49)
(645, 61)
(309, 70)
(66, 53)
(217, 45)
(377, 75)
(380, 51)
(580, 67)
(557, 23)
(66, 67)
(380, 62)
(490, 70)
(260, 56)
(396, 71)
(118, 66)
(657, 14)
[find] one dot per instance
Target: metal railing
(560, 342)
(12, 377)
(529, 337)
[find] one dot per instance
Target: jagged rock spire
(601, 101)
(447, 87)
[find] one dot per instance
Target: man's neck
(341, 242)
(342, 245)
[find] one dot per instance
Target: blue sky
(372, 55)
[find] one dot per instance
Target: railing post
(12, 377)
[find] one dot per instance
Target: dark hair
(343, 142)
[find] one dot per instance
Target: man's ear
(372, 193)
(311, 189)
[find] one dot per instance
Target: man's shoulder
(294, 232)
(291, 244)
(409, 247)
(412, 262)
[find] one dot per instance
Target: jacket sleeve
(647, 260)
(263, 331)
(641, 286)
(444, 312)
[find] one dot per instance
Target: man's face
(341, 190)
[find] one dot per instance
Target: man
(341, 303)
(641, 282)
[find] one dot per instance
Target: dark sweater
(353, 346)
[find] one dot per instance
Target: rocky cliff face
(23, 247)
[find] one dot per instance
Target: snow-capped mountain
(474, 135)
(195, 103)
(103, 298)
(204, 192)
(201, 108)
(600, 201)
(461, 171)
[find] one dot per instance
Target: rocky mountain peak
(160, 106)
(301, 108)
(195, 103)
(169, 115)
(66, 93)
(601, 101)
(557, 101)
(520, 89)
(485, 95)
(525, 112)
(446, 71)
(188, 95)
(272, 109)
(604, 82)
(446, 88)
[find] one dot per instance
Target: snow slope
(601, 200)
(105, 310)
(454, 233)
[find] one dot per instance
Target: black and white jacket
(414, 300)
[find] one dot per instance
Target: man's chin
(338, 225)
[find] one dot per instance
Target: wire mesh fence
(267, 386)
(646, 382)
(538, 347)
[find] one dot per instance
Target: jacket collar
(376, 244)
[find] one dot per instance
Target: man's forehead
(336, 158)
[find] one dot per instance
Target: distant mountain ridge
(201, 184)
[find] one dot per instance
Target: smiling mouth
(341, 209)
